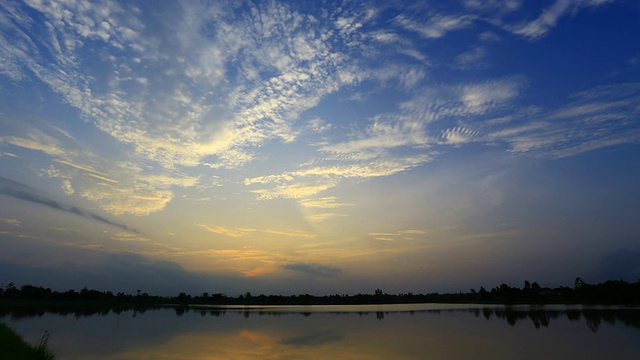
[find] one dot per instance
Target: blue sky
(322, 147)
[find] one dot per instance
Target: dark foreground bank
(14, 347)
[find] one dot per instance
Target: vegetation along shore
(13, 346)
(617, 292)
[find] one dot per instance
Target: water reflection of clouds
(314, 338)
(250, 344)
(262, 334)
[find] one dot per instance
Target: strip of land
(612, 292)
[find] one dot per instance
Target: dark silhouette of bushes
(608, 292)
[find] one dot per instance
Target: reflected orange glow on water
(247, 344)
(353, 332)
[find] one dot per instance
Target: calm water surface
(342, 332)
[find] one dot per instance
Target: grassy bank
(13, 346)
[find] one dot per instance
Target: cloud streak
(397, 235)
(235, 232)
(22, 192)
(550, 16)
(314, 269)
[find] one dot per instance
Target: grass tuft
(13, 346)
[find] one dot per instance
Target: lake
(420, 331)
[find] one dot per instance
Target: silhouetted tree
(535, 288)
(10, 290)
(183, 298)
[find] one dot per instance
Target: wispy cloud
(258, 108)
(309, 182)
(595, 118)
(397, 235)
(294, 191)
(242, 232)
(23, 192)
(436, 26)
(67, 187)
(173, 121)
(329, 202)
(126, 236)
(49, 148)
(549, 17)
(385, 132)
(292, 233)
(139, 199)
(487, 235)
(86, 168)
(502, 6)
(231, 232)
(459, 135)
(323, 216)
(11, 222)
(471, 59)
(215, 91)
(483, 97)
(134, 192)
(415, 232)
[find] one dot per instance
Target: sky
(322, 147)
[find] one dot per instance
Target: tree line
(608, 292)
